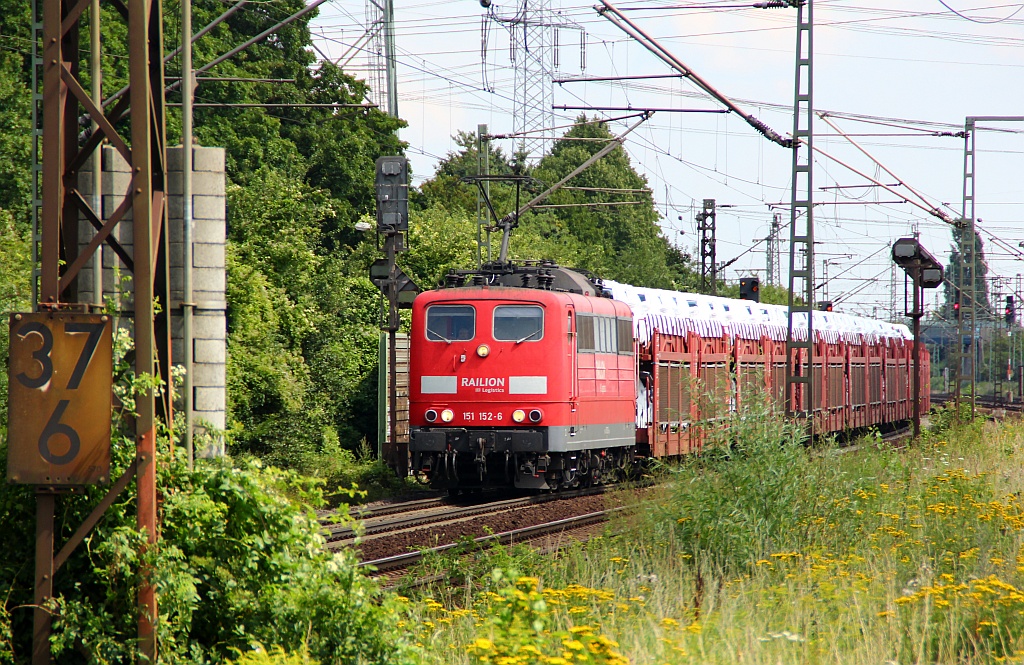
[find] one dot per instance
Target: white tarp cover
(675, 313)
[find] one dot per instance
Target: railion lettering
(483, 382)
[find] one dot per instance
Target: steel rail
(346, 534)
(406, 560)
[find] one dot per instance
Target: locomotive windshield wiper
(527, 337)
(434, 332)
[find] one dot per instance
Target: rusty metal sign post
(59, 425)
(60, 376)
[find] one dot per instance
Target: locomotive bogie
(538, 470)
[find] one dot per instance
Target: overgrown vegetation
(772, 552)
(241, 563)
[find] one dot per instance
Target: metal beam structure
(967, 326)
(483, 222)
(707, 227)
(801, 222)
(965, 365)
(60, 259)
(772, 264)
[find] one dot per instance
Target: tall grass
(762, 550)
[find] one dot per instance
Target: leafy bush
(274, 656)
(240, 563)
(520, 623)
(746, 494)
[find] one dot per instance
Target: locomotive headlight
(430, 415)
(535, 415)
(483, 350)
(518, 416)
(447, 415)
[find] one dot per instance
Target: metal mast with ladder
(707, 226)
(965, 369)
(801, 225)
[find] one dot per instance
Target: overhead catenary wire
(612, 14)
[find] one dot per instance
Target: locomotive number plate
(482, 416)
(59, 402)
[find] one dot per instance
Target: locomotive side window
(625, 330)
(518, 323)
(605, 341)
(450, 323)
(603, 334)
(585, 333)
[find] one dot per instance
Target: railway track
(548, 536)
(988, 404)
(435, 513)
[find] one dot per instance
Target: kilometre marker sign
(59, 403)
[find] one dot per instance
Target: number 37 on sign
(59, 402)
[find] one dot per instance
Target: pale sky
(912, 71)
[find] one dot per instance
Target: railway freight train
(537, 376)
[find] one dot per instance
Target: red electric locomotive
(530, 387)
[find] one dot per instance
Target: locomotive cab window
(451, 323)
(518, 323)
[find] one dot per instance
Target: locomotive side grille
(875, 381)
(857, 385)
(836, 386)
(624, 330)
(818, 380)
(779, 384)
(585, 332)
(673, 392)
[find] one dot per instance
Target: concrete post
(209, 274)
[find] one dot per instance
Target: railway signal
(1011, 311)
(391, 184)
(407, 289)
(824, 305)
(750, 289)
(926, 273)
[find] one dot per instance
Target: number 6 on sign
(60, 398)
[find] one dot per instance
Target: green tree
(15, 138)
(960, 276)
(608, 224)
(14, 291)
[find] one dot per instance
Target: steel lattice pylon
(533, 35)
(380, 55)
(532, 54)
(376, 61)
(965, 369)
(970, 296)
(800, 350)
(772, 264)
(707, 226)
(62, 150)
